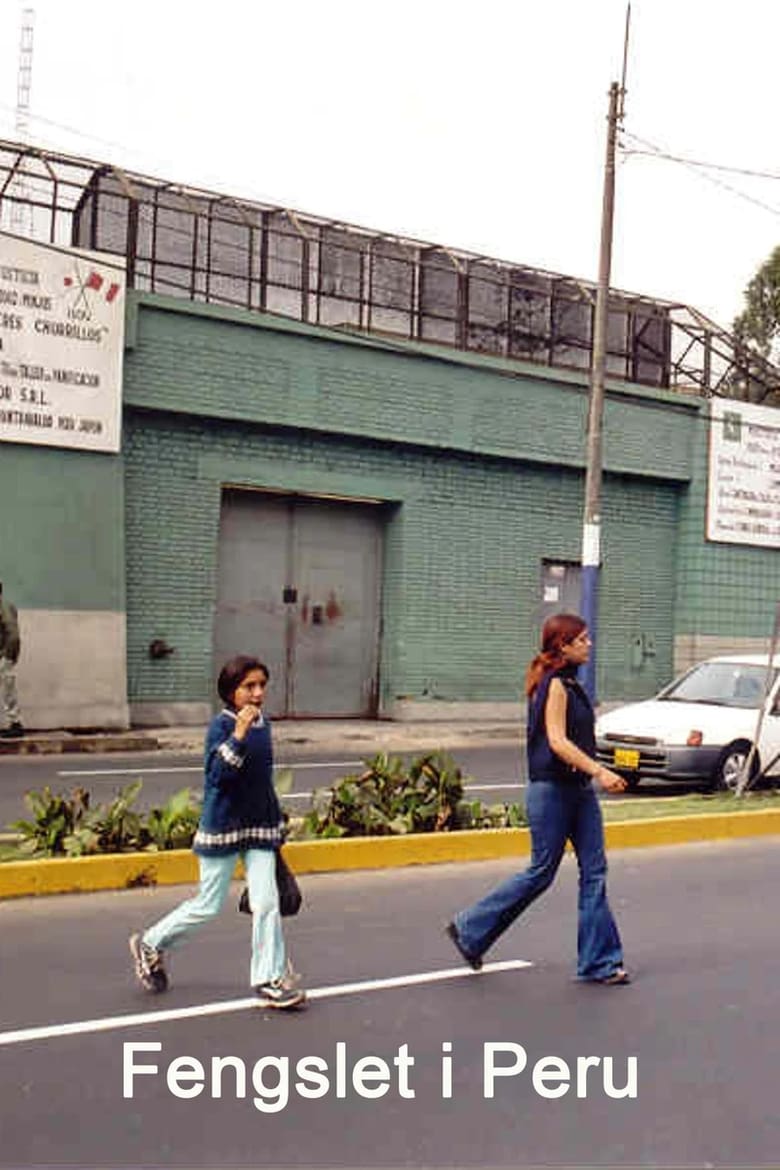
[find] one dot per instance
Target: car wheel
(726, 776)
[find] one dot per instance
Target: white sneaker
(149, 968)
(278, 994)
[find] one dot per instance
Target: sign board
(743, 504)
(62, 316)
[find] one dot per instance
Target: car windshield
(725, 684)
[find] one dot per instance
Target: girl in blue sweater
(241, 817)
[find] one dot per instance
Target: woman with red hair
(561, 805)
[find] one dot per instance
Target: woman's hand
(610, 781)
(244, 720)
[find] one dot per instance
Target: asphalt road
(700, 1022)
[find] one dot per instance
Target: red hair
(558, 631)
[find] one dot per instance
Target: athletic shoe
(278, 994)
(14, 731)
(149, 967)
(474, 961)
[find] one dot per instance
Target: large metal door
(299, 586)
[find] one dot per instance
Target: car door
(769, 740)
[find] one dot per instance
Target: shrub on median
(65, 825)
(391, 797)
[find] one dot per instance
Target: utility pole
(591, 526)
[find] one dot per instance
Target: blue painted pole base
(589, 614)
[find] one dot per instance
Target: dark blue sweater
(240, 807)
(543, 764)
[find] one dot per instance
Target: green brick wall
(231, 364)
(462, 558)
(480, 459)
(483, 462)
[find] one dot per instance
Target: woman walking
(241, 817)
(561, 806)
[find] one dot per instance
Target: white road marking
(111, 1023)
(296, 765)
(497, 784)
(129, 771)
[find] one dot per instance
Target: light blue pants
(268, 960)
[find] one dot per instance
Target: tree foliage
(756, 331)
(759, 321)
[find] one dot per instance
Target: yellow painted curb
(695, 827)
(411, 849)
(109, 871)
(179, 866)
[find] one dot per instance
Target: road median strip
(117, 871)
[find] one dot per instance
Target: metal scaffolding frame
(213, 248)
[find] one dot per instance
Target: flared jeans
(558, 811)
(268, 959)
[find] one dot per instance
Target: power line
(657, 151)
(699, 169)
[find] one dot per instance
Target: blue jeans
(557, 812)
(268, 959)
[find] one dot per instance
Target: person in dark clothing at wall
(561, 805)
(10, 645)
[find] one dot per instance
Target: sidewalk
(295, 737)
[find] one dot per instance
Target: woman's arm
(566, 750)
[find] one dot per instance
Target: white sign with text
(743, 505)
(62, 317)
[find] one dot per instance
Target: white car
(701, 727)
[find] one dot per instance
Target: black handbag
(290, 897)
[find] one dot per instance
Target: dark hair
(558, 631)
(234, 672)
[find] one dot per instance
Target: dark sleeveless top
(543, 764)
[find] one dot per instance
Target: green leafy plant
(109, 828)
(474, 814)
(386, 798)
(55, 817)
(67, 825)
(391, 797)
(173, 826)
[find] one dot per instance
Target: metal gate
(299, 586)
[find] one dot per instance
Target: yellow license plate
(626, 758)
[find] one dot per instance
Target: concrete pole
(591, 528)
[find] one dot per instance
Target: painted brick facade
(483, 470)
(478, 461)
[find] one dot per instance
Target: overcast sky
(480, 126)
